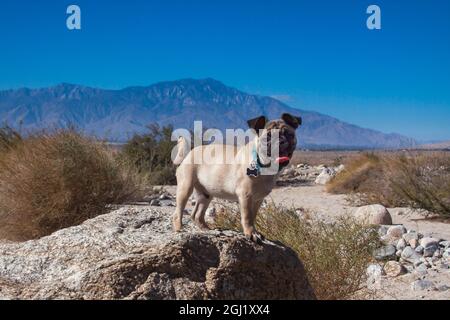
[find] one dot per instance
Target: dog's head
(280, 131)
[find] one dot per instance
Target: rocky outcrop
(132, 253)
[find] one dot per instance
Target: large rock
(132, 253)
(374, 214)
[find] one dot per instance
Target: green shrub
(150, 154)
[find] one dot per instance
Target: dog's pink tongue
(282, 160)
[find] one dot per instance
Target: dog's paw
(202, 225)
(256, 237)
(177, 225)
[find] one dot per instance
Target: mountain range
(118, 114)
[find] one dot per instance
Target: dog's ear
(257, 123)
(291, 120)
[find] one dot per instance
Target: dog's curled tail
(182, 151)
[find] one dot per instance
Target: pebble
(401, 244)
(413, 243)
(410, 236)
(420, 285)
(443, 288)
(394, 269)
(409, 255)
(444, 244)
(421, 269)
(396, 232)
(386, 252)
(419, 249)
(428, 241)
(430, 250)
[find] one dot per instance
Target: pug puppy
(236, 173)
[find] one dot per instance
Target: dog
(238, 179)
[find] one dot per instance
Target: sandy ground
(317, 201)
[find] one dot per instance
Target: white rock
(385, 253)
(445, 244)
(325, 176)
(446, 254)
(339, 168)
(374, 273)
(410, 235)
(396, 232)
(409, 255)
(401, 244)
(374, 214)
(428, 241)
(421, 269)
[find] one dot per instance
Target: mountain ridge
(118, 113)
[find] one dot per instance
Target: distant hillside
(436, 146)
(117, 114)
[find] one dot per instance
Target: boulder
(374, 214)
(132, 253)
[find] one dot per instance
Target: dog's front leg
(248, 219)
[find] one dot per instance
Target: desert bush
(150, 154)
(335, 255)
(422, 181)
(365, 180)
(8, 138)
(54, 180)
(418, 180)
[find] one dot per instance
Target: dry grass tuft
(335, 255)
(50, 181)
(420, 181)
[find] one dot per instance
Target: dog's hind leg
(184, 190)
(203, 201)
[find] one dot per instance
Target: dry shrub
(335, 255)
(55, 180)
(359, 174)
(422, 181)
(418, 180)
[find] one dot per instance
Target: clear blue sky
(315, 55)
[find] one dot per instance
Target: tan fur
(221, 179)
